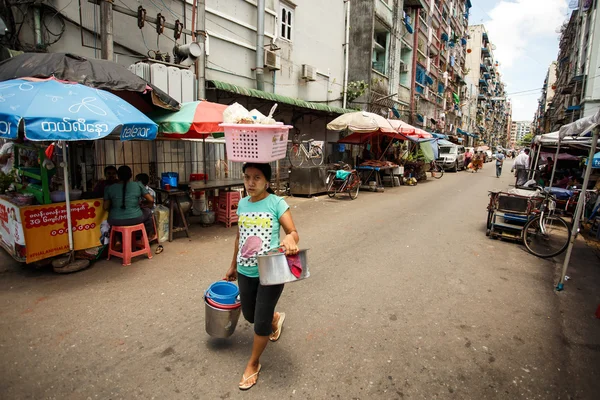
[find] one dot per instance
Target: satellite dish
(493, 47)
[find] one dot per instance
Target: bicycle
(546, 235)
(436, 170)
(343, 179)
(299, 154)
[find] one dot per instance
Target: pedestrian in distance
(261, 214)
(499, 162)
(468, 157)
(520, 166)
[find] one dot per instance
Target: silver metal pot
(273, 268)
(220, 323)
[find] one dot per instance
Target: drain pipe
(413, 86)
(260, 44)
(346, 55)
(37, 27)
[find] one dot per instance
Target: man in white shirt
(521, 164)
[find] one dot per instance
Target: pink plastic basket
(255, 142)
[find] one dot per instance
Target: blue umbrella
(54, 110)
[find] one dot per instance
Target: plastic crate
(255, 142)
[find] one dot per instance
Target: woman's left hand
(289, 244)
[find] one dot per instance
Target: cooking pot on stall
(273, 268)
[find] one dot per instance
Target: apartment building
(576, 87)
(492, 111)
(519, 129)
(441, 33)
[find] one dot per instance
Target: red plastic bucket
(222, 306)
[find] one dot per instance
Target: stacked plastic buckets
(222, 309)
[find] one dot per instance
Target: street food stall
(377, 135)
(41, 216)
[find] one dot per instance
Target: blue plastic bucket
(223, 292)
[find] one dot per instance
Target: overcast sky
(526, 36)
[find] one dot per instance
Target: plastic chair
(129, 241)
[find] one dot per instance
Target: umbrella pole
(67, 195)
(555, 163)
(579, 209)
(535, 164)
(204, 159)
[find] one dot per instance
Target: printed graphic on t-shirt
(255, 236)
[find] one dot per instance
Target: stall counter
(33, 233)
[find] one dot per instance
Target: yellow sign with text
(45, 227)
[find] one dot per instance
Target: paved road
(408, 299)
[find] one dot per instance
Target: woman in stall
(261, 215)
(122, 201)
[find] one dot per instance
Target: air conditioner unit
(403, 68)
(309, 72)
(272, 60)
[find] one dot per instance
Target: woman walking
(261, 214)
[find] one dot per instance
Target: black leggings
(258, 303)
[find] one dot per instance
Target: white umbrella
(362, 122)
(581, 127)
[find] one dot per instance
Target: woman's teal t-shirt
(132, 209)
(259, 230)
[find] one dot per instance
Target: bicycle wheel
(296, 157)
(437, 172)
(353, 186)
(331, 189)
(553, 241)
(316, 155)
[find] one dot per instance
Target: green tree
(526, 140)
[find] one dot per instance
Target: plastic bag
(162, 222)
(237, 114)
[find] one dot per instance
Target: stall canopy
(409, 130)
(361, 122)
(48, 110)
(195, 120)
(99, 74)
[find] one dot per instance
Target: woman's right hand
(231, 274)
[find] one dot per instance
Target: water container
(220, 322)
(223, 292)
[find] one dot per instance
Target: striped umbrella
(195, 120)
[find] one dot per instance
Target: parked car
(452, 157)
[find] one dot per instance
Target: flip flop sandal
(275, 335)
(159, 249)
(246, 386)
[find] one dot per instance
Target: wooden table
(174, 206)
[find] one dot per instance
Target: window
(287, 19)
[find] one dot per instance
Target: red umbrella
(195, 120)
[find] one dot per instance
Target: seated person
(144, 179)
(562, 181)
(122, 201)
(110, 172)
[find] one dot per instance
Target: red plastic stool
(128, 233)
